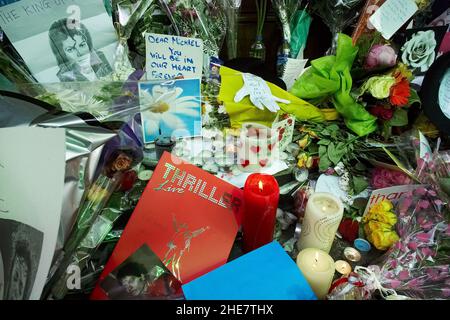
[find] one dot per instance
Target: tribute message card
(169, 57)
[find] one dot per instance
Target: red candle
(261, 194)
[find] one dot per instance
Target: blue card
(267, 273)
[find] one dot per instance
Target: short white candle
(318, 269)
(323, 214)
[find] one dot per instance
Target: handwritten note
(392, 15)
(168, 57)
(293, 70)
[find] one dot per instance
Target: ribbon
(371, 278)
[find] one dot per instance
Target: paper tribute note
(392, 15)
(292, 71)
(168, 57)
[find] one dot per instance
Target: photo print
(20, 252)
(170, 108)
(142, 276)
(419, 48)
(56, 38)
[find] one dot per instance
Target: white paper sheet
(32, 164)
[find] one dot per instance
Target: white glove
(259, 93)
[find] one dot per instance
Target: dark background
(319, 38)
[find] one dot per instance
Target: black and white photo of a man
(74, 51)
(20, 252)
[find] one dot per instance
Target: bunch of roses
(379, 225)
(383, 178)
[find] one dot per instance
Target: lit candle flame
(260, 185)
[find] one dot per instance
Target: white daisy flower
(167, 106)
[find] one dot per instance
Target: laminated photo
(170, 108)
(61, 40)
(142, 276)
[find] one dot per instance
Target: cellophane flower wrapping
(203, 19)
(337, 15)
(418, 265)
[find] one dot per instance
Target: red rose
(349, 229)
(128, 180)
(382, 112)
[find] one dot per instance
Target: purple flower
(380, 56)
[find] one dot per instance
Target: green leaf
(359, 184)
(333, 128)
(414, 98)
(399, 119)
(323, 142)
(324, 163)
(335, 153)
(322, 151)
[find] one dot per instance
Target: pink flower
(427, 252)
(399, 178)
(413, 245)
(380, 56)
(395, 283)
(446, 292)
(383, 178)
(403, 275)
(424, 237)
(423, 204)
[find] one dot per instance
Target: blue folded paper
(267, 273)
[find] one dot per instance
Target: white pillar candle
(323, 214)
(318, 269)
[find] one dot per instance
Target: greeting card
(285, 130)
(186, 216)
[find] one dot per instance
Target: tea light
(351, 254)
(163, 143)
(343, 267)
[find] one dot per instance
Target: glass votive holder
(257, 147)
(164, 143)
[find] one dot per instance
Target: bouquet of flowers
(417, 265)
(385, 88)
(200, 19)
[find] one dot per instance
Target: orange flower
(400, 93)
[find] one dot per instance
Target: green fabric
(299, 26)
(329, 76)
(245, 111)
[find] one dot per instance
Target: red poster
(186, 216)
